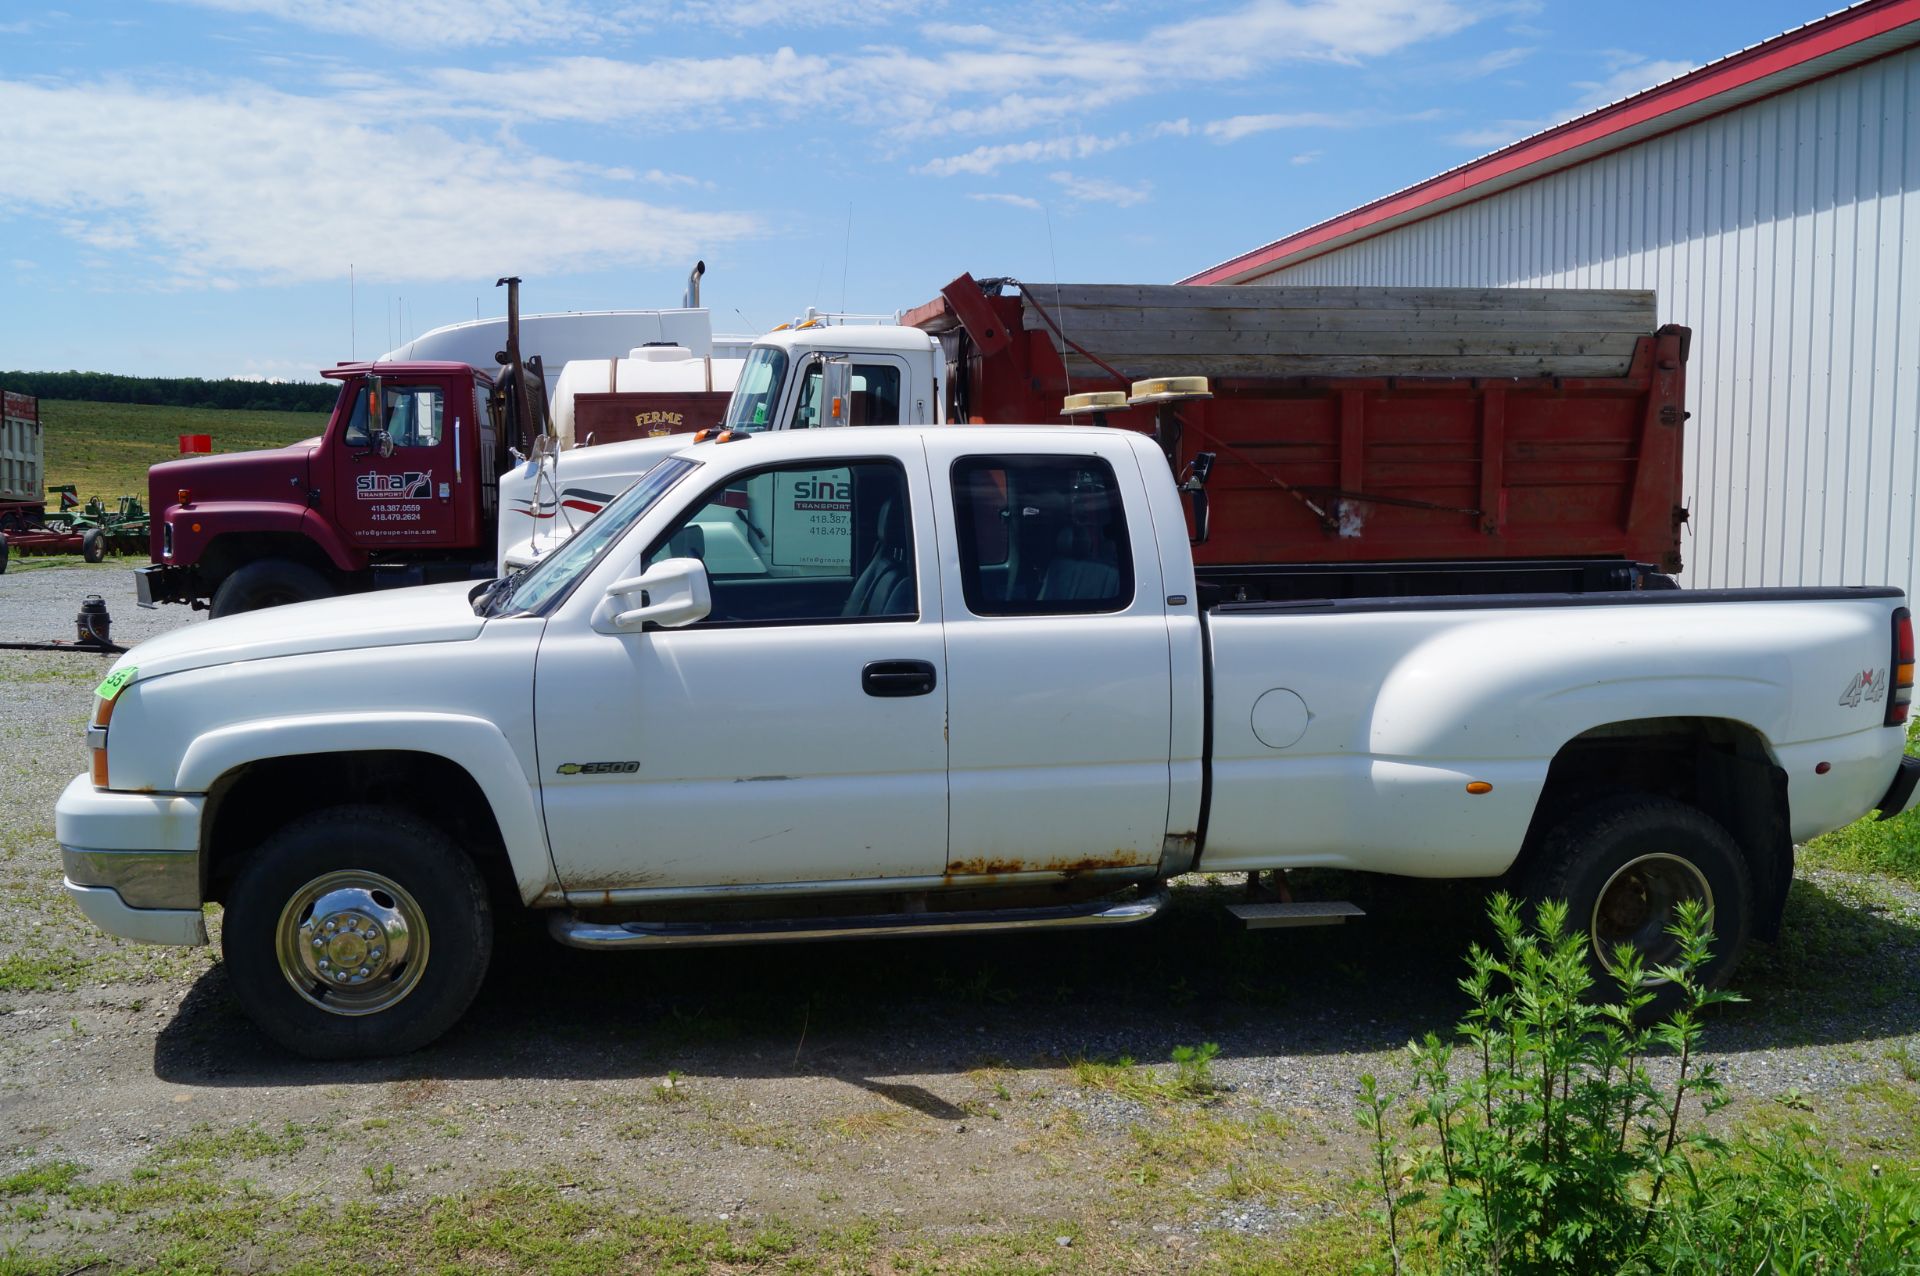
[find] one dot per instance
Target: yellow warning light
(1170, 389)
(1095, 401)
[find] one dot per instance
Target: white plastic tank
(653, 369)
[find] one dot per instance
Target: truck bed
(1386, 708)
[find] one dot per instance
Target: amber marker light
(102, 714)
(184, 496)
(1477, 787)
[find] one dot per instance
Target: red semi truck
(402, 486)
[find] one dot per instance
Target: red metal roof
(1834, 43)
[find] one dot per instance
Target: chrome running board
(577, 932)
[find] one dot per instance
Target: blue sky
(184, 183)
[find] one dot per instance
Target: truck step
(1308, 913)
(578, 932)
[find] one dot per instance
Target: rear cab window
(1041, 535)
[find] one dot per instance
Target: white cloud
(261, 186)
(960, 33)
(972, 80)
(1239, 126)
(1098, 190)
(1001, 197)
(986, 160)
(734, 15)
(660, 177)
(443, 23)
(1630, 74)
(602, 90)
(1305, 157)
(1498, 60)
(1495, 134)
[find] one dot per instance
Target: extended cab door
(412, 499)
(794, 735)
(1058, 656)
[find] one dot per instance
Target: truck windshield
(757, 395)
(554, 575)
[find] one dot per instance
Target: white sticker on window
(813, 519)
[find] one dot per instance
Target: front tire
(93, 546)
(356, 933)
(1624, 865)
(269, 582)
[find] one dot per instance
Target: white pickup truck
(953, 681)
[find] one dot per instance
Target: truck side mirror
(1195, 485)
(836, 390)
(672, 593)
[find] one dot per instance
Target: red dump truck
(22, 463)
(1361, 440)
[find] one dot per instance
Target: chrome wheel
(352, 942)
(1639, 902)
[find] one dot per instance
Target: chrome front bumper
(132, 861)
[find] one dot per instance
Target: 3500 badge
(596, 768)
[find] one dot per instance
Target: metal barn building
(1772, 201)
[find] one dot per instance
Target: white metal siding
(1786, 234)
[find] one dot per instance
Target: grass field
(105, 448)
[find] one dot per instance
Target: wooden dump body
(618, 416)
(1362, 425)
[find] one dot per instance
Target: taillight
(1902, 691)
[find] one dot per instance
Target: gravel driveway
(933, 1093)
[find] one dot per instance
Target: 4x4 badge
(596, 768)
(1868, 684)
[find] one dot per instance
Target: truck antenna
(353, 318)
(1054, 259)
(846, 252)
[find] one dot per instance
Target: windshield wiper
(493, 593)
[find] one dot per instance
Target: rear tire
(356, 933)
(93, 546)
(269, 582)
(1624, 864)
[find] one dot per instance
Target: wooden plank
(1077, 319)
(1241, 365)
(1434, 344)
(1261, 297)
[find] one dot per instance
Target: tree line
(177, 392)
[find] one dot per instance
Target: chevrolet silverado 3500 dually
(905, 681)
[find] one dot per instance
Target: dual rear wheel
(1625, 866)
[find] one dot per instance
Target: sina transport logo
(413, 485)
